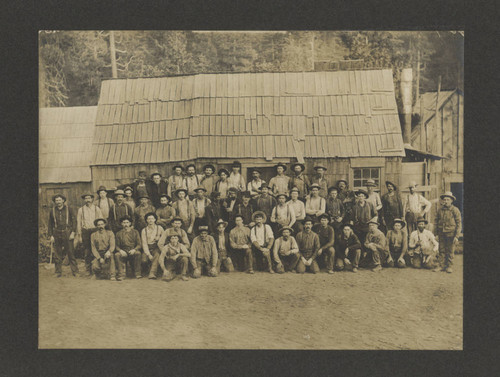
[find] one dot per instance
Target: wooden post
(417, 89)
(406, 83)
(423, 128)
(112, 50)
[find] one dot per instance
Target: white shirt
(199, 206)
(236, 180)
(254, 186)
(374, 198)
(86, 216)
(283, 215)
(427, 241)
(313, 205)
(257, 234)
(299, 208)
(414, 203)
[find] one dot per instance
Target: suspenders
(55, 219)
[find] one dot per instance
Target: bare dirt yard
(390, 309)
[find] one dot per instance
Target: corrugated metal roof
(65, 140)
(237, 115)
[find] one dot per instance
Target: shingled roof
(238, 115)
(66, 135)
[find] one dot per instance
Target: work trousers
(204, 268)
(374, 257)
(104, 270)
(395, 253)
(353, 255)
(261, 259)
(146, 263)
(301, 267)
(121, 264)
(446, 250)
(411, 222)
(64, 246)
(173, 266)
(288, 262)
(225, 260)
(298, 227)
(87, 247)
(328, 256)
(243, 259)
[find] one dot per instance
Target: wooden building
(346, 120)
(65, 137)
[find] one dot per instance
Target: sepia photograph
(286, 190)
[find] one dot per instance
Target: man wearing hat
(315, 204)
(254, 185)
(165, 212)
(103, 246)
(392, 206)
(174, 256)
(262, 238)
(185, 210)
(129, 197)
(157, 187)
(245, 209)
(309, 247)
(239, 240)
(141, 210)
(150, 236)
(414, 206)
(176, 228)
(285, 251)
(326, 236)
(175, 181)
(191, 180)
(229, 206)
(448, 225)
(209, 179)
(373, 197)
(349, 250)
(200, 204)
(128, 249)
(362, 213)
(335, 209)
(85, 218)
(376, 251)
(214, 211)
(321, 181)
(299, 180)
(140, 186)
(62, 227)
(279, 183)
(397, 242)
(222, 185)
(235, 179)
(221, 238)
(283, 214)
(347, 198)
(103, 202)
(265, 202)
(299, 209)
(204, 254)
(423, 245)
(119, 210)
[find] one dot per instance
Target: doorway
(266, 172)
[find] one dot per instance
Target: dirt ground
(390, 309)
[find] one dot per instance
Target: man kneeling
(174, 255)
(128, 249)
(309, 246)
(349, 248)
(398, 246)
(423, 246)
(326, 236)
(285, 251)
(103, 245)
(204, 253)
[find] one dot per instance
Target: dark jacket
(213, 212)
(154, 191)
(352, 243)
(226, 243)
(64, 220)
(448, 221)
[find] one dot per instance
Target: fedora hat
(156, 172)
(320, 167)
(330, 189)
(308, 218)
(203, 228)
(281, 194)
(87, 194)
(191, 165)
(402, 222)
(101, 188)
(142, 173)
(119, 192)
(420, 219)
(126, 217)
(200, 188)
(285, 228)
(221, 221)
(371, 182)
(181, 189)
(448, 194)
(374, 221)
(99, 219)
(259, 213)
(315, 185)
(390, 183)
(222, 170)
(325, 216)
(128, 188)
(302, 166)
(58, 196)
(236, 164)
(209, 166)
(150, 214)
(342, 180)
(263, 185)
(165, 196)
(280, 164)
(142, 196)
(363, 192)
(412, 184)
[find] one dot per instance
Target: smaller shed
(65, 141)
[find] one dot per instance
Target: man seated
(176, 228)
(423, 246)
(128, 249)
(326, 236)
(151, 235)
(103, 245)
(349, 250)
(204, 254)
(165, 212)
(282, 215)
(239, 239)
(397, 241)
(262, 238)
(174, 255)
(285, 251)
(309, 246)
(376, 251)
(222, 242)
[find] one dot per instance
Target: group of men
(194, 225)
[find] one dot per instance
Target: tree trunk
(112, 50)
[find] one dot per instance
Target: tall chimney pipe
(406, 97)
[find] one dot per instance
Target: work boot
(449, 270)
(354, 269)
(330, 272)
(152, 277)
(184, 278)
(251, 272)
(112, 278)
(58, 275)
(118, 278)
(76, 274)
(377, 268)
(271, 271)
(437, 269)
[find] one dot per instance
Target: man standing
(119, 210)
(85, 218)
(448, 225)
(62, 227)
(204, 254)
(349, 249)
(239, 240)
(200, 204)
(347, 198)
(415, 206)
(282, 215)
(177, 230)
(103, 246)
(321, 181)
(362, 213)
(214, 211)
(222, 242)
(129, 197)
(140, 211)
(397, 241)
(262, 238)
(392, 206)
(375, 246)
(222, 185)
(335, 209)
(140, 186)
(174, 255)
(299, 209)
(157, 187)
(191, 180)
(279, 183)
(175, 181)
(150, 236)
(165, 212)
(326, 236)
(373, 197)
(285, 251)
(245, 209)
(229, 206)
(185, 210)
(265, 202)
(299, 180)
(103, 202)
(254, 185)
(315, 204)
(235, 179)
(128, 249)
(309, 246)
(208, 180)
(423, 245)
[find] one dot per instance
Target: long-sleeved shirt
(283, 215)
(254, 186)
(237, 181)
(265, 204)
(102, 241)
(61, 219)
(362, 214)
(351, 243)
(326, 235)
(301, 182)
(376, 237)
(262, 236)
(175, 182)
(308, 243)
(299, 208)
(414, 203)
(185, 210)
(392, 206)
(183, 238)
(140, 212)
(222, 187)
(165, 215)
(155, 190)
(131, 202)
(282, 247)
(245, 211)
(191, 183)
(428, 243)
(151, 237)
(205, 250)
(86, 216)
(374, 198)
(334, 207)
(239, 237)
(128, 240)
(397, 240)
(200, 206)
(448, 221)
(116, 212)
(323, 183)
(105, 206)
(279, 184)
(213, 213)
(208, 183)
(313, 205)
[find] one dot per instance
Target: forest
(73, 63)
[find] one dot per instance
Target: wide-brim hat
(209, 166)
(280, 164)
(155, 173)
(420, 219)
(257, 170)
(412, 184)
(142, 173)
(178, 166)
(285, 228)
(324, 215)
(119, 192)
(246, 194)
(374, 221)
(315, 185)
(342, 180)
(87, 194)
(100, 219)
(165, 196)
(259, 213)
(101, 188)
(236, 164)
(222, 171)
(371, 182)
(448, 194)
(320, 167)
(221, 221)
(203, 228)
(181, 189)
(401, 221)
(363, 192)
(188, 166)
(232, 189)
(263, 185)
(128, 188)
(200, 188)
(302, 166)
(142, 196)
(58, 196)
(307, 218)
(330, 189)
(294, 189)
(281, 194)
(177, 218)
(390, 183)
